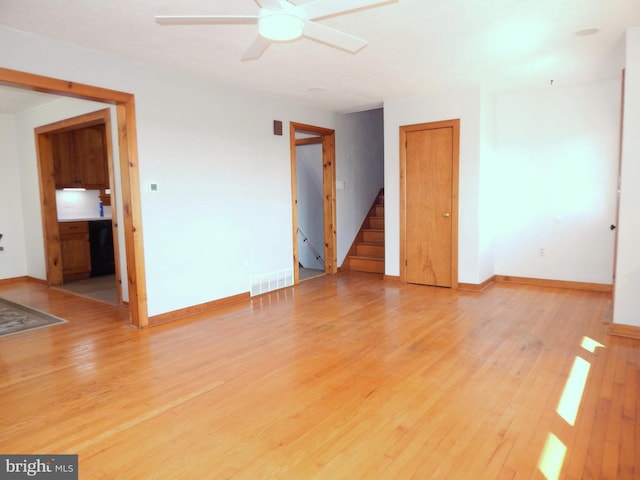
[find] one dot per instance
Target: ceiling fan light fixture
(280, 27)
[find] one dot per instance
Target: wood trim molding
(537, 282)
(36, 280)
(477, 287)
(127, 139)
(7, 281)
(98, 117)
(308, 141)
(39, 83)
(197, 309)
(619, 175)
(391, 278)
(628, 331)
(23, 278)
(541, 282)
(134, 244)
(329, 195)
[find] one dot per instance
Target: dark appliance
(101, 241)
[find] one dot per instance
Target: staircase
(367, 252)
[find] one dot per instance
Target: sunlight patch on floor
(590, 345)
(554, 451)
(574, 388)
(552, 457)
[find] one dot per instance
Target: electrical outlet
(542, 252)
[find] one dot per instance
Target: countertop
(84, 219)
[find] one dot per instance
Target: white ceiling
(13, 100)
(415, 46)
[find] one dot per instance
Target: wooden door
(429, 210)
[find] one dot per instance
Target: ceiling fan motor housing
(279, 25)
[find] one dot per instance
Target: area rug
(16, 318)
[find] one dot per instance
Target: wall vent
(271, 281)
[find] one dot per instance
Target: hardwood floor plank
(345, 376)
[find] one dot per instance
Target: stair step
(366, 264)
(378, 210)
(376, 222)
(373, 235)
(370, 249)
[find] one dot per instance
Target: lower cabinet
(76, 250)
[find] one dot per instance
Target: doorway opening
(314, 200)
(129, 174)
(84, 254)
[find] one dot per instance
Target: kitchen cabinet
(80, 158)
(75, 250)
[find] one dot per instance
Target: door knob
(446, 214)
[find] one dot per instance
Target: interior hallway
(343, 376)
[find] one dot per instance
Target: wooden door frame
(618, 179)
(455, 125)
(48, 200)
(129, 172)
(329, 195)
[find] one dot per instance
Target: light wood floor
(342, 377)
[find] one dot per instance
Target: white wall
(78, 205)
(538, 170)
(13, 260)
(465, 105)
(223, 210)
(553, 183)
(360, 165)
(627, 286)
(488, 209)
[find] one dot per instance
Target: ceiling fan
(283, 21)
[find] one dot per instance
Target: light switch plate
(152, 187)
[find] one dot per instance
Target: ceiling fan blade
(256, 49)
(269, 4)
(326, 8)
(333, 37)
(206, 19)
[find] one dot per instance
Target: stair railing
(307, 242)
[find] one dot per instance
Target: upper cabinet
(80, 158)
